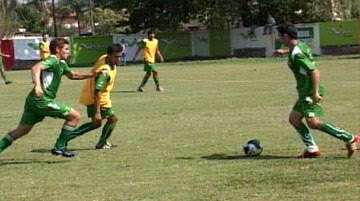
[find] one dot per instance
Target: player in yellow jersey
(44, 47)
(96, 97)
(150, 47)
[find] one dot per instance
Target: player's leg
(2, 71)
(156, 80)
(107, 129)
(144, 81)
(313, 114)
(311, 148)
(83, 128)
(28, 119)
(10, 137)
(350, 140)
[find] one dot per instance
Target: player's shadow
(125, 92)
(243, 157)
(4, 162)
(48, 151)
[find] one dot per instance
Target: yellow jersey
(150, 47)
(88, 92)
(44, 50)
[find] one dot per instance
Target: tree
(7, 12)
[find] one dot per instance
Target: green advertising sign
(220, 43)
(175, 45)
(339, 33)
(86, 50)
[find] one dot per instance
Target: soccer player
(96, 97)
(310, 94)
(44, 47)
(150, 47)
(2, 70)
(41, 103)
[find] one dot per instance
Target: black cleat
(62, 152)
(8, 82)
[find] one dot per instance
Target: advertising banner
(86, 50)
(220, 43)
(310, 34)
(200, 44)
(130, 43)
(175, 45)
(339, 33)
(27, 48)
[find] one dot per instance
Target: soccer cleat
(353, 145)
(62, 152)
(107, 145)
(140, 89)
(160, 89)
(8, 82)
(307, 154)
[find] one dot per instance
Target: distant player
(41, 103)
(150, 47)
(310, 93)
(2, 69)
(96, 96)
(44, 47)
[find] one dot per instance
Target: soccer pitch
(182, 144)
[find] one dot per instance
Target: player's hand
(39, 92)
(7, 55)
(279, 52)
(316, 98)
(162, 59)
(97, 119)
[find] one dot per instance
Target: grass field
(182, 144)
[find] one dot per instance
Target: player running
(96, 97)
(310, 93)
(41, 103)
(151, 48)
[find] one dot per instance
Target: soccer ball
(253, 148)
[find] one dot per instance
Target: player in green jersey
(41, 103)
(310, 94)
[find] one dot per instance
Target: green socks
(307, 138)
(5, 142)
(106, 132)
(334, 131)
(156, 80)
(69, 132)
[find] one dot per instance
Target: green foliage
(29, 17)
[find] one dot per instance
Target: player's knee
(314, 123)
(294, 121)
(113, 119)
(96, 124)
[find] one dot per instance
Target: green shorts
(36, 110)
(308, 109)
(149, 67)
(105, 112)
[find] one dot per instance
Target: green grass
(182, 144)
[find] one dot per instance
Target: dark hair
(150, 32)
(114, 48)
(288, 29)
(58, 43)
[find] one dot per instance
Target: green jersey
(50, 77)
(301, 62)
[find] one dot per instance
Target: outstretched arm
(281, 52)
(5, 55)
(79, 76)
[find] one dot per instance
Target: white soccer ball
(253, 148)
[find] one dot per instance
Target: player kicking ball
(96, 97)
(41, 103)
(310, 93)
(150, 47)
